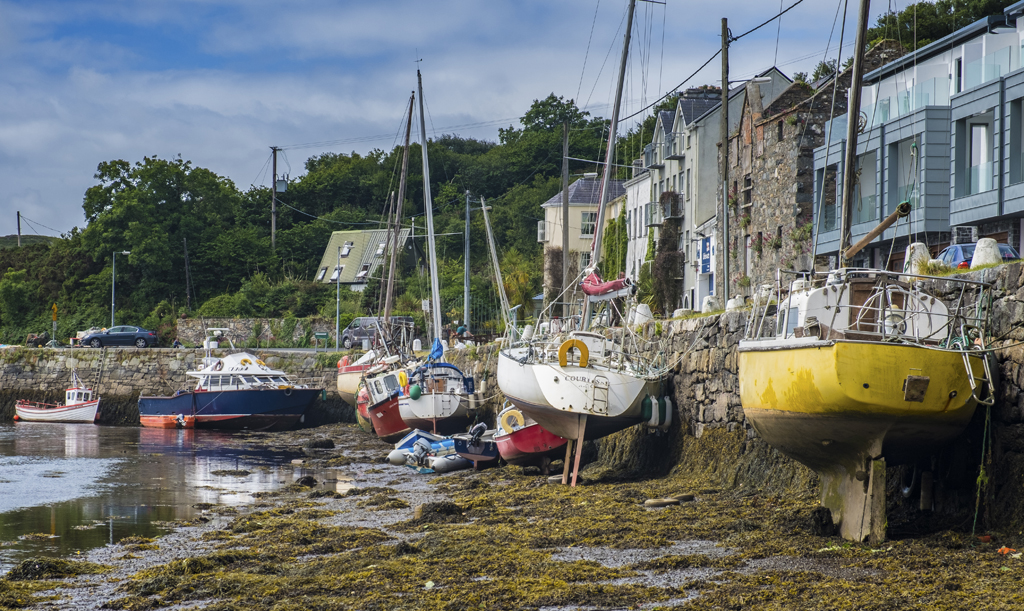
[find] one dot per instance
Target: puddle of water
(79, 486)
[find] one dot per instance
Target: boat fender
(403, 379)
(16, 418)
(666, 413)
(287, 391)
(647, 410)
(415, 392)
(569, 344)
(512, 421)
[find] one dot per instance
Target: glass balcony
(988, 68)
(864, 209)
(980, 178)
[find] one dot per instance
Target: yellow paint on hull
(828, 404)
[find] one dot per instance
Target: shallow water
(67, 488)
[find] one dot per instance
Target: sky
(219, 82)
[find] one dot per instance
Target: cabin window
(249, 379)
(378, 387)
(205, 383)
(791, 320)
(391, 383)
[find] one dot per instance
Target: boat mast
(389, 296)
(505, 309)
(609, 152)
(428, 205)
(852, 124)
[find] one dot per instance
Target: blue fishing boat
(238, 391)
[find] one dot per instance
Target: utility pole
(19, 228)
(723, 248)
(273, 203)
(465, 289)
(565, 214)
(188, 279)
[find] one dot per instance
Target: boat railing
(883, 306)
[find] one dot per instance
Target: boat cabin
(75, 396)
(851, 304)
(383, 387)
(241, 371)
(438, 378)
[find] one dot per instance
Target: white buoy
(916, 258)
(452, 462)
(642, 314)
(986, 252)
(417, 345)
(709, 304)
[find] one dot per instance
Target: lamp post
(337, 311)
(113, 284)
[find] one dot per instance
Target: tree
(925, 22)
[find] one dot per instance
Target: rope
(986, 449)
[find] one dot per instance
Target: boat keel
(857, 500)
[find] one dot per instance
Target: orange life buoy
(343, 362)
(563, 352)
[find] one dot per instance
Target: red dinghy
(521, 441)
(594, 287)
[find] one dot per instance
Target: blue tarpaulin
(436, 351)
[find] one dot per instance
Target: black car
(122, 335)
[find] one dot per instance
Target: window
(320, 276)
(588, 224)
(687, 184)
(864, 194)
(779, 138)
(1016, 142)
(906, 172)
(380, 250)
(958, 75)
(542, 233)
(584, 260)
(629, 224)
(337, 272)
(346, 249)
(980, 171)
(363, 271)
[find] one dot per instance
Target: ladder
(600, 389)
(986, 379)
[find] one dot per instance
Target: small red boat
(595, 287)
(521, 441)
(382, 406)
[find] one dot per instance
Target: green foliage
(615, 246)
(16, 293)
(922, 23)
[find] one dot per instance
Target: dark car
(959, 255)
(122, 335)
(365, 327)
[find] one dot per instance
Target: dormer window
(363, 271)
(380, 250)
(346, 249)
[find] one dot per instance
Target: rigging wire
(586, 55)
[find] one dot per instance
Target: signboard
(705, 255)
(426, 305)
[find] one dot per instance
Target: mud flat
(502, 539)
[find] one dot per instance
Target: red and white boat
(78, 406)
(350, 375)
(384, 390)
(521, 441)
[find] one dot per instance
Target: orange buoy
(16, 418)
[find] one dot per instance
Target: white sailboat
(579, 384)
(438, 397)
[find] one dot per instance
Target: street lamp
(113, 284)
(337, 312)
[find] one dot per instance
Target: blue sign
(705, 255)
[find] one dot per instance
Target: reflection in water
(71, 487)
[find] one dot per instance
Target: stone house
(771, 175)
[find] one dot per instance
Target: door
(121, 336)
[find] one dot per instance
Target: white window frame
(337, 273)
(364, 271)
(588, 220)
(320, 276)
(346, 249)
(584, 260)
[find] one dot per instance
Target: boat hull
(484, 450)
(830, 404)
(387, 421)
(530, 445)
(349, 378)
(41, 412)
(556, 397)
(258, 409)
(440, 413)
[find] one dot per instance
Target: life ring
(218, 366)
(260, 363)
(287, 390)
(343, 362)
(403, 379)
(512, 420)
(245, 362)
(563, 352)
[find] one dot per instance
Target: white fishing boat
(79, 406)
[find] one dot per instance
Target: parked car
(959, 255)
(365, 327)
(122, 335)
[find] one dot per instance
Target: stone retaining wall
(192, 331)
